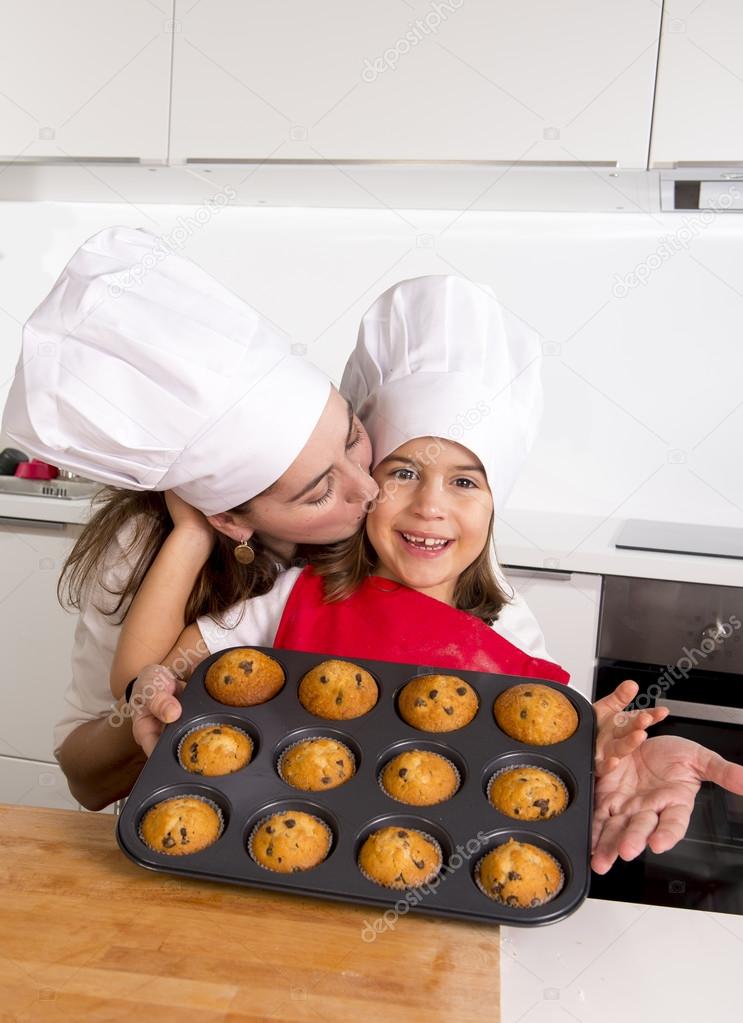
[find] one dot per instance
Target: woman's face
(432, 516)
(323, 495)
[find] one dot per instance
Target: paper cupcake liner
(502, 902)
(311, 738)
(393, 888)
(404, 802)
(262, 821)
(533, 767)
(186, 795)
(211, 724)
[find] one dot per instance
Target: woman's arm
(101, 760)
(156, 616)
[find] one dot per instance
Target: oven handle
(702, 711)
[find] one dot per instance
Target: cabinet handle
(537, 573)
(57, 161)
(702, 711)
(235, 161)
(34, 523)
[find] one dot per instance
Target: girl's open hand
(648, 798)
(621, 732)
(155, 703)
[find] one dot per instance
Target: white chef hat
(440, 356)
(142, 371)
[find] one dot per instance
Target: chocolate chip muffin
(420, 778)
(244, 677)
(338, 690)
(289, 841)
(215, 749)
(535, 714)
(519, 874)
(400, 857)
(181, 825)
(528, 793)
(316, 764)
(437, 703)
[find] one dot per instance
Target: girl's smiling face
(432, 516)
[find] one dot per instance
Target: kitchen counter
(44, 509)
(582, 543)
(88, 935)
(617, 962)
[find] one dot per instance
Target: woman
(164, 380)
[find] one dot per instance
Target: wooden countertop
(88, 935)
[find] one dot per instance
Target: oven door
(705, 869)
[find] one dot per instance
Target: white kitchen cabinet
(482, 80)
(566, 605)
(36, 636)
(700, 84)
(34, 783)
(84, 78)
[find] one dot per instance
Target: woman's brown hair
(222, 582)
(346, 564)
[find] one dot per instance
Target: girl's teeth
(429, 542)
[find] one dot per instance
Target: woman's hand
(155, 702)
(621, 732)
(648, 798)
(186, 517)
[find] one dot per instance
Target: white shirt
(249, 623)
(88, 695)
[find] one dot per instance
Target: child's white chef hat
(440, 356)
(142, 371)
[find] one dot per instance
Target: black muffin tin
(464, 823)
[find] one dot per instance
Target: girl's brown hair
(222, 582)
(346, 564)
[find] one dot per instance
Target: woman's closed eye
(318, 502)
(354, 440)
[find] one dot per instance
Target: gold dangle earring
(244, 553)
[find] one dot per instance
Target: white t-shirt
(255, 621)
(88, 696)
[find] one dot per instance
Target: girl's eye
(464, 483)
(325, 497)
(403, 474)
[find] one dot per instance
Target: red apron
(386, 621)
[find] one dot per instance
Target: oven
(683, 644)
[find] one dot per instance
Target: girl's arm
(153, 628)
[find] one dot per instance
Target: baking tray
(359, 806)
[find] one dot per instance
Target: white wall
(644, 410)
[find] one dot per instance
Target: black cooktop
(681, 538)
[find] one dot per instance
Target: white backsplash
(643, 382)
